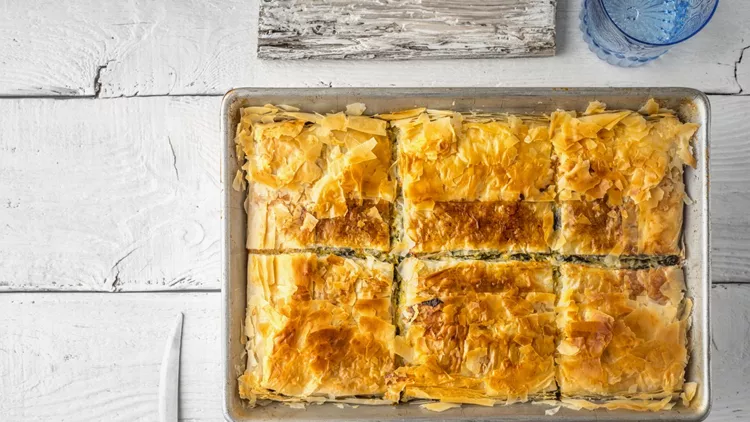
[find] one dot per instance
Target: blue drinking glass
(631, 33)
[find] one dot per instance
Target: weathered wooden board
(120, 194)
(405, 29)
(125, 194)
(196, 47)
(730, 349)
(78, 47)
(94, 357)
(730, 188)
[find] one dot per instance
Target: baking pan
(692, 106)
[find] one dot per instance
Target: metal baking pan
(692, 105)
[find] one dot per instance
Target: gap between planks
(123, 292)
(211, 291)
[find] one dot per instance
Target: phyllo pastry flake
(319, 328)
(475, 332)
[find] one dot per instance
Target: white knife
(169, 375)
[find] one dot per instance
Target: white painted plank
(730, 188)
(80, 47)
(405, 29)
(96, 357)
(50, 47)
(90, 198)
(119, 194)
(730, 347)
(92, 357)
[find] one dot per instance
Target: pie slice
(475, 183)
(315, 181)
(476, 332)
(623, 332)
(619, 180)
(319, 328)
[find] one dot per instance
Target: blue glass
(633, 32)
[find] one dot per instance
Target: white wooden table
(110, 184)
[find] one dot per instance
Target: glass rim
(708, 19)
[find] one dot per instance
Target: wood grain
(184, 47)
(78, 47)
(109, 195)
(730, 188)
(96, 357)
(405, 29)
(93, 357)
(731, 343)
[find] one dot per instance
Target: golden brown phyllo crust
(598, 227)
(317, 327)
(306, 170)
(284, 225)
(444, 157)
(476, 184)
(623, 332)
(616, 177)
(619, 180)
(468, 182)
(481, 226)
(475, 331)
(533, 196)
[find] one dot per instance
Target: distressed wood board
(405, 29)
(124, 194)
(96, 356)
(119, 194)
(730, 188)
